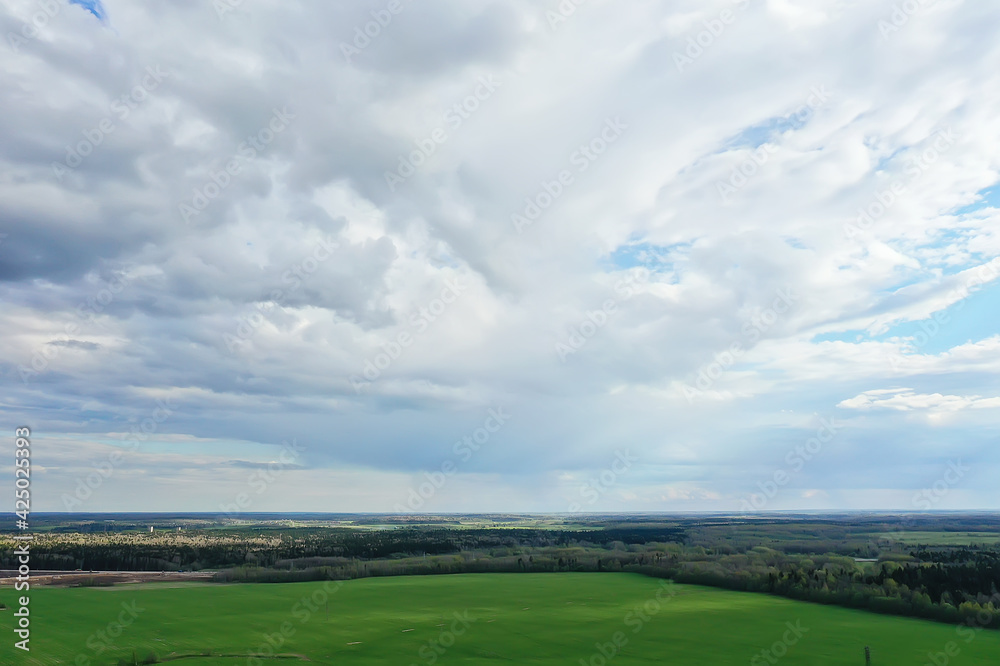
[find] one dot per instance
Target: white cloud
(905, 399)
(96, 360)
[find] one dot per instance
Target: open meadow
(562, 618)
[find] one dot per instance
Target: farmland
(940, 567)
(472, 619)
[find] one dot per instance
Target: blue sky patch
(853, 336)
(971, 319)
(653, 257)
(987, 198)
(95, 7)
(757, 135)
(884, 162)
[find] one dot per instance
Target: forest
(945, 568)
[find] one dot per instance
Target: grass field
(472, 619)
(942, 538)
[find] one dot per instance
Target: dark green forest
(941, 567)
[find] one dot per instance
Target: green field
(942, 538)
(506, 618)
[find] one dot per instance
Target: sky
(470, 256)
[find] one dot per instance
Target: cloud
(908, 400)
(303, 269)
(76, 344)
